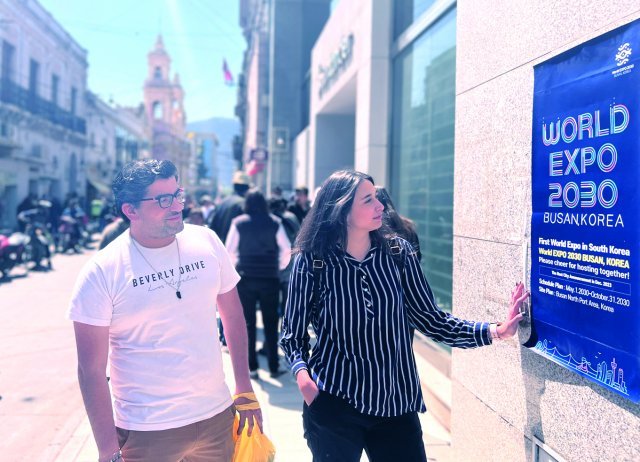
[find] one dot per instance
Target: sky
(197, 34)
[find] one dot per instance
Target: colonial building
(43, 77)
(116, 135)
(163, 101)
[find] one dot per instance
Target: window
(34, 70)
(55, 82)
(157, 73)
(406, 12)
(8, 61)
(157, 110)
(74, 96)
(422, 147)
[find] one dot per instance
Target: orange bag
(254, 448)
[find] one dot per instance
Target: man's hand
(250, 412)
(509, 327)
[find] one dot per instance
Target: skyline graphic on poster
(603, 373)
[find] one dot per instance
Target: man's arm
(92, 343)
(235, 331)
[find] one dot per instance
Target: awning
(94, 180)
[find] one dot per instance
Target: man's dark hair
(240, 189)
(302, 190)
(255, 203)
(277, 206)
(131, 183)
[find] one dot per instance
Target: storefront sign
(585, 236)
(338, 62)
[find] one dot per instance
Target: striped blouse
(362, 324)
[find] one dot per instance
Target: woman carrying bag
(363, 293)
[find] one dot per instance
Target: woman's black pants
(335, 431)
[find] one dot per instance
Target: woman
(363, 294)
(402, 226)
(260, 249)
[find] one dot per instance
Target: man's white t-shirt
(166, 362)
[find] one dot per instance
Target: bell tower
(163, 97)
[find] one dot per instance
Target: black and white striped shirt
(365, 312)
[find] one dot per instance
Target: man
(260, 249)
(228, 209)
(149, 300)
(112, 231)
(207, 207)
(301, 205)
(231, 207)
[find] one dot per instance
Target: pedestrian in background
(259, 249)
(196, 217)
(291, 226)
(398, 224)
(226, 211)
(300, 205)
(112, 231)
(362, 293)
(230, 207)
(148, 301)
(207, 208)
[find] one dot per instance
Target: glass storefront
(406, 12)
(422, 146)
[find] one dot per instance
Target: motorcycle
(69, 234)
(11, 252)
(38, 246)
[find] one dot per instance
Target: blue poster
(585, 239)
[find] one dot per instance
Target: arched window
(157, 110)
(157, 73)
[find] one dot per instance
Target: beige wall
(503, 395)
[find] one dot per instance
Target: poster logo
(622, 56)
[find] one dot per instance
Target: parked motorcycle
(69, 234)
(39, 243)
(11, 252)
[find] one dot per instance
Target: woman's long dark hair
(326, 223)
(398, 225)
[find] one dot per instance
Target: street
(41, 403)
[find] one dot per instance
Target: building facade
(274, 86)
(203, 168)
(116, 135)
(42, 108)
(433, 98)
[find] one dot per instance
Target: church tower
(163, 99)
(164, 105)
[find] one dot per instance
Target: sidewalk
(282, 412)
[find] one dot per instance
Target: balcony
(11, 93)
